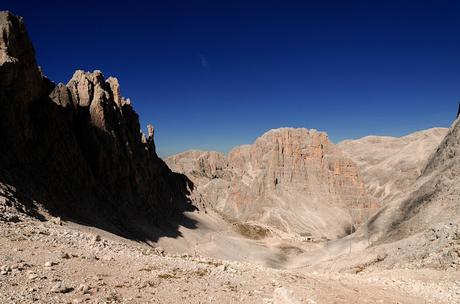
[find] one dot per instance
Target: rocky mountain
(420, 228)
(390, 165)
(290, 180)
(433, 199)
(73, 160)
(77, 149)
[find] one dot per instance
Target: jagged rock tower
(77, 149)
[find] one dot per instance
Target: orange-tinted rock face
(294, 180)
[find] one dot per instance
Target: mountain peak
(78, 146)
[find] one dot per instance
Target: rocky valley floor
(62, 262)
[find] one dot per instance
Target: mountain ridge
(77, 148)
(282, 166)
(389, 165)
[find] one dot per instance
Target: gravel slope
(44, 262)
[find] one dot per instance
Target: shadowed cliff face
(77, 149)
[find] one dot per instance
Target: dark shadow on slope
(50, 169)
(18, 201)
(26, 197)
(83, 161)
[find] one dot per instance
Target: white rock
(56, 221)
(84, 288)
(283, 295)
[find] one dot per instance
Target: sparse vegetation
(167, 276)
(252, 231)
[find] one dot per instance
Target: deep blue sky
(212, 75)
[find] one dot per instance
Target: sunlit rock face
(292, 180)
(390, 165)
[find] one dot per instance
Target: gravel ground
(56, 262)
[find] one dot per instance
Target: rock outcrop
(390, 165)
(77, 149)
(291, 180)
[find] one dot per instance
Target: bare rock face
(20, 79)
(390, 165)
(77, 148)
(18, 69)
(292, 180)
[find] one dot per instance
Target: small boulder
(50, 264)
(5, 269)
(85, 289)
(60, 287)
(56, 221)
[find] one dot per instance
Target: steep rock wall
(293, 180)
(77, 149)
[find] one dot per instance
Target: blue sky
(216, 74)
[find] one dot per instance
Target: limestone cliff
(292, 180)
